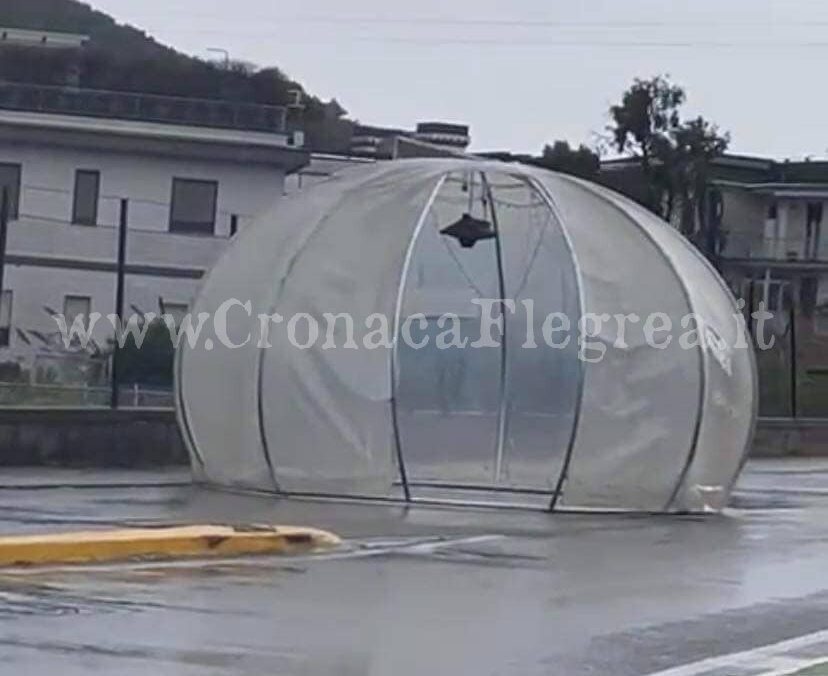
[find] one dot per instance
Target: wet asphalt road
(418, 591)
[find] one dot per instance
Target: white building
(192, 172)
(771, 218)
(41, 39)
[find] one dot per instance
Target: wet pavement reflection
(417, 590)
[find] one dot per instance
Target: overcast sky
(526, 72)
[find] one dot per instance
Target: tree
(696, 143)
(152, 363)
(675, 155)
(641, 124)
(560, 156)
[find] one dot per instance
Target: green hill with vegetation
(124, 58)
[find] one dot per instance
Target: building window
(193, 206)
(776, 293)
(820, 304)
(813, 230)
(76, 306)
(10, 182)
(85, 204)
(821, 321)
(5, 318)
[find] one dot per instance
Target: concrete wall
(95, 438)
(147, 438)
(781, 437)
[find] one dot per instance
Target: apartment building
(192, 174)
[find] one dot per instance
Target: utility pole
(119, 301)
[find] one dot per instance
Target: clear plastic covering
(729, 398)
(455, 330)
(640, 403)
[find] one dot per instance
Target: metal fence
(142, 107)
(40, 395)
(793, 373)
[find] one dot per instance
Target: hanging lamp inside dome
(469, 230)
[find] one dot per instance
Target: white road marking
(800, 665)
(399, 546)
(772, 658)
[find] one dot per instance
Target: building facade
(373, 144)
(771, 226)
(189, 174)
(773, 250)
(383, 143)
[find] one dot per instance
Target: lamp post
(223, 52)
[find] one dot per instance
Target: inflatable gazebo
(468, 332)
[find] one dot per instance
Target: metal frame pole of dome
(260, 417)
(703, 364)
(754, 368)
(753, 364)
(181, 408)
(395, 357)
(576, 421)
(617, 203)
(502, 413)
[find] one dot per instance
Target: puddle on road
(761, 500)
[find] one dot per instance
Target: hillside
(75, 17)
(124, 58)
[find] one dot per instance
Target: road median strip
(163, 543)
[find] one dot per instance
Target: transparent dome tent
(550, 410)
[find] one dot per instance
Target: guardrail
(142, 107)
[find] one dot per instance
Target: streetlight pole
(224, 52)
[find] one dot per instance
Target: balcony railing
(48, 396)
(743, 245)
(142, 107)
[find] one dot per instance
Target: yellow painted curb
(160, 543)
